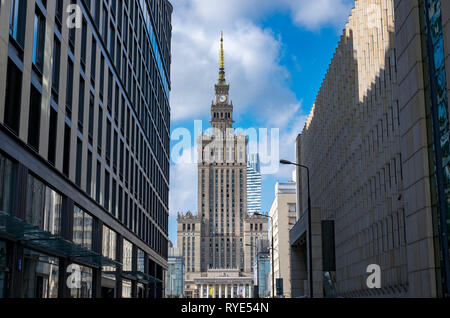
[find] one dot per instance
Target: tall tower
(218, 243)
(222, 108)
(222, 184)
(253, 184)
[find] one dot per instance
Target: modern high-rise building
(84, 147)
(219, 242)
(262, 270)
(174, 280)
(253, 184)
(377, 146)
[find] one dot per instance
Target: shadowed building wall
(85, 117)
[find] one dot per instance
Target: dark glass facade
(439, 129)
(84, 148)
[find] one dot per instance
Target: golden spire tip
(221, 50)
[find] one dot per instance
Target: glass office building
(437, 109)
(84, 147)
(262, 272)
(253, 184)
(175, 274)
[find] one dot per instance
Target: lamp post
(257, 269)
(271, 227)
(286, 162)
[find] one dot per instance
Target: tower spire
(222, 108)
(221, 51)
(221, 69)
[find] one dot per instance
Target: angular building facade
(219, 242)
(84, 147)
(376, 143)
(253, 184)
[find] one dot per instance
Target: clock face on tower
(222, 98)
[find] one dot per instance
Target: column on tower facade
(220, 290)
(226, 290)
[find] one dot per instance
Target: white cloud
(287, 145)
(314, 14)
(259, 85)
(183, 185)
(251, 63)
(252, 54)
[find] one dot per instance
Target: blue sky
(276, 55)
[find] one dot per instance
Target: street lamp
(257, 269)
(286, 162)
(271, 226)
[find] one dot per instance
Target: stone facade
(421, 209)
(222, 236)
(351, 143)
(369, 145)
(283, 213)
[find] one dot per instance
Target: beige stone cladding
(417, 150)
(188, 240)
(225, 236)
(352, 145)
(283, 213)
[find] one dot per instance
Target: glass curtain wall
(3, 268)
(82, 228)
(85, 290)
(109, 245)
(40, 275)
(7, 182)
(43, 206)
(126, 288)
(440, 122)
(127, 256)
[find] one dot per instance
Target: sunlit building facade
(253, 184)
(377, 146)
(423, 60)
(283, 214)
(218, 242)
(84, 147)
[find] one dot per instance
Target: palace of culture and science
(220, 243)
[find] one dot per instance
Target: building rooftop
(285, 187)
